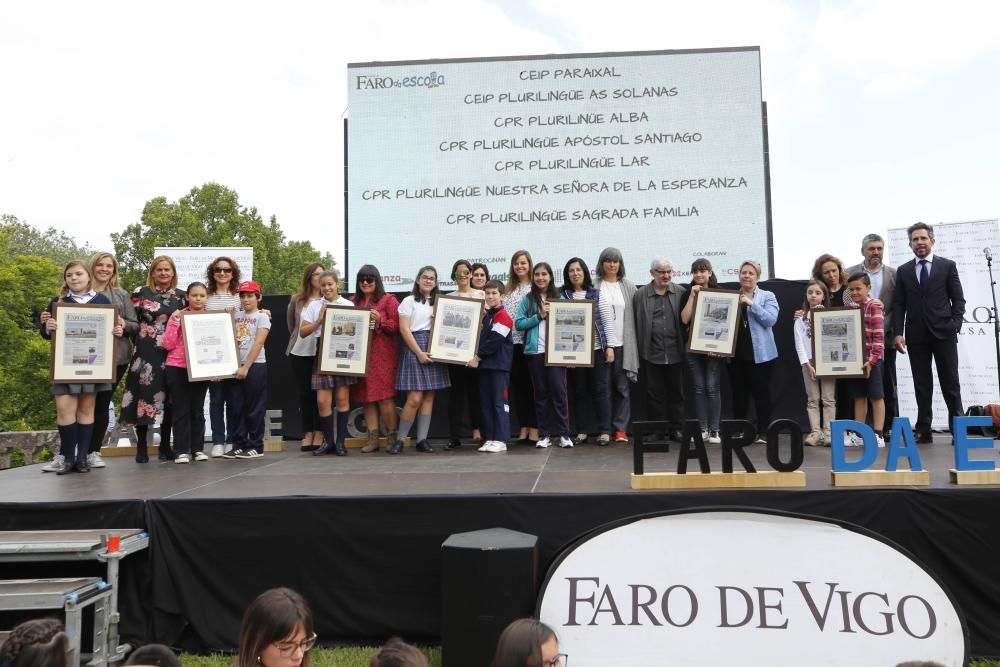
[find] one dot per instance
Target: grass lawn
(358, 657)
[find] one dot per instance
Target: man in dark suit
(928, 306)
(883, 279)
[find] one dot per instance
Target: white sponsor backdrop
(962, 242)
(192, 262)
(656, 153)
(746, 588)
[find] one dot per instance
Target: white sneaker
(495, 446)
(55, 464)
(228, 448)
(200, 456)
(852, 440)
(713, 438)
(182, 458)
(704, 436)
(217, 451)
(486, 446)
(879, 441)
(565, 442)
(94, 460)
(543, 443)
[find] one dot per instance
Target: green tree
(23, 239)
(213, 216)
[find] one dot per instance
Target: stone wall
(30, 443)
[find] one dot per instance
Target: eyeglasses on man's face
(288, 648)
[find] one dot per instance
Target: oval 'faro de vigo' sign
(721, 587)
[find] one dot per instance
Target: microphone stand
(996, 322)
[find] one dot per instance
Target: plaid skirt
(415, 376)
(331, 381)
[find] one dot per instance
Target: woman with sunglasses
(222, 277)
(377, 390)
(277, 631)
(464, 380)
(528, 643)
(302, 353)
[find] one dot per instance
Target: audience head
(156, 655)
(277, 631)
(528, 643)
(397, 653)
(40, 642)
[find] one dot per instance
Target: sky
(881, 112)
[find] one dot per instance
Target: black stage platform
(360, 536)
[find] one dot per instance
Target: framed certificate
(345, 341)
(455, 329)
(569, 333)
(715, 322)
(83, 343)
(210, 345)
(838, 343)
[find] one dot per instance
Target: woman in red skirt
(377, 390)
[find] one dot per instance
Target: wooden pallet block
(972, 477)
(881, 478)
(719, 480)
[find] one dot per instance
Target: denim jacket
(762, 316)
(593, 294)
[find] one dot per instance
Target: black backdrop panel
(371, 567)
(787, 391)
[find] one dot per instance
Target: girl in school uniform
(187, 398)
(74, 401)
(329, 388)
(418, 375)
(817, 296)
(548, 382)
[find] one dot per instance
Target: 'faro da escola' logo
(375, 82)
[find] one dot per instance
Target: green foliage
(44, 454)
(213, 216)
(17, 458)
(23, 239)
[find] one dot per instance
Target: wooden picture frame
(210, 345)
(83, 345)
(838, 342)
(345, 342)
(455, 329)
(715, 322)
(569, 333)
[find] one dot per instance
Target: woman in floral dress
(145, 398)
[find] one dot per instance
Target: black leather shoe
(65, 469)
(308, 448)
(425, 447)
(81, 466)
(454, 443)
(141, 455)
(339, 449)
(166, 454)
(325, 449)
(923, 438)
(395, 448)
(580, 440)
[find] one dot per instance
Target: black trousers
(664, 392)
(101, 405)
(748, 377)
(302, 372)
(945, 355)
(187, 400)
(889, 384)
(464, 389)
(522, 391)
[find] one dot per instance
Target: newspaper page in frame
(569, 334)
(83, 343)
(346, 341)
(838, 342)
(210, 344)
(714, 324)
(455, 330)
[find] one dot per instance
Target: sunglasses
(366, 279)
(462, 274)
(219, 269)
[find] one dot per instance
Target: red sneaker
(621, 436)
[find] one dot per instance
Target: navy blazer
(932, 312)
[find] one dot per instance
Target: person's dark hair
(418, 296)
(826, 295)
(369, 270)
(919, 225)
(397, 653)
(332, 273)
(702, 264)
(520, 644)
(588, 282)
(479, 265)
(611, 255)
(234, 282)
(154, 654)
(40, 642)
(271, 617)
(862, 276)
(512, 280)
(494, 284)
(461, 262)
(817, 271)
(536, 294)
(307, 281)
(196, 283)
